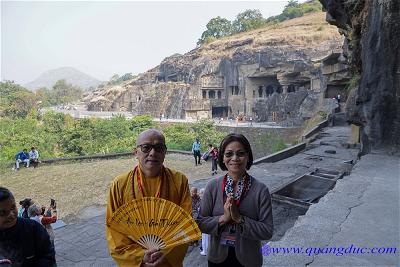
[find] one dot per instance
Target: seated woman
(236, 209)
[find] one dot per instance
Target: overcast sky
(102, 38)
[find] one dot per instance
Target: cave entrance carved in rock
(219, 112)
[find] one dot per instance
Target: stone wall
(257, 137)
(372, 44)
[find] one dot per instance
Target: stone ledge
(283, 154)
(316, 129)
(105, 156)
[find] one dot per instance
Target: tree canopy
(252, 19)
(15, 100)
(64, 92)
(248, 20)
(59, 135)
(116, 79)
(293, 10)
(216, 28)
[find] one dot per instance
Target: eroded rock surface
(372, 31)
(279, 74)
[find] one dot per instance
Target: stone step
(339, 119)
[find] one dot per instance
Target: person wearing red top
(213, 153)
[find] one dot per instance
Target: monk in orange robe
(150, 178)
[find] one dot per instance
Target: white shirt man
(34, 157)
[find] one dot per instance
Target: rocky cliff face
(274, 73)
(372, 31)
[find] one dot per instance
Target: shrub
(353, 82)
(271, 142)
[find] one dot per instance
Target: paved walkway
(363, 209)
(83, 244)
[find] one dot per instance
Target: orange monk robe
(174, 188)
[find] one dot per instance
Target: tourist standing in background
(204, 237)
(195, 207)
(236, 209)
(213, 154)
(196, 152)
(195, 202)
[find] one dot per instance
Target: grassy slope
(307, 31)
(82, 184)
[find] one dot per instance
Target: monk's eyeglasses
(146, 148)
(239, 154)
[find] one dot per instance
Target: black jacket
(27, 243)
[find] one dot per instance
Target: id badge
(228, 239)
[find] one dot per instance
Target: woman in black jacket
(23, 242)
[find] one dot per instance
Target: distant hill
(71, 75)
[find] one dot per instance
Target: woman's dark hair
(5, 194)
(25, 203)
(234, 138)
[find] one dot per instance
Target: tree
(293, 10)
(292, 3)
(16, 101)
(44, 94)
(64, 92)
(248, 20)
(216, 28)
(126, 76)
(114, 78)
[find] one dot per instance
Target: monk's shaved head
(148, 135)
(150, 151)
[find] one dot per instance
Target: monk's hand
(234, 212)
(152, 258)
(226, 217)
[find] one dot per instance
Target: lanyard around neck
(138, 175)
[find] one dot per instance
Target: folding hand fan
(155, 223)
